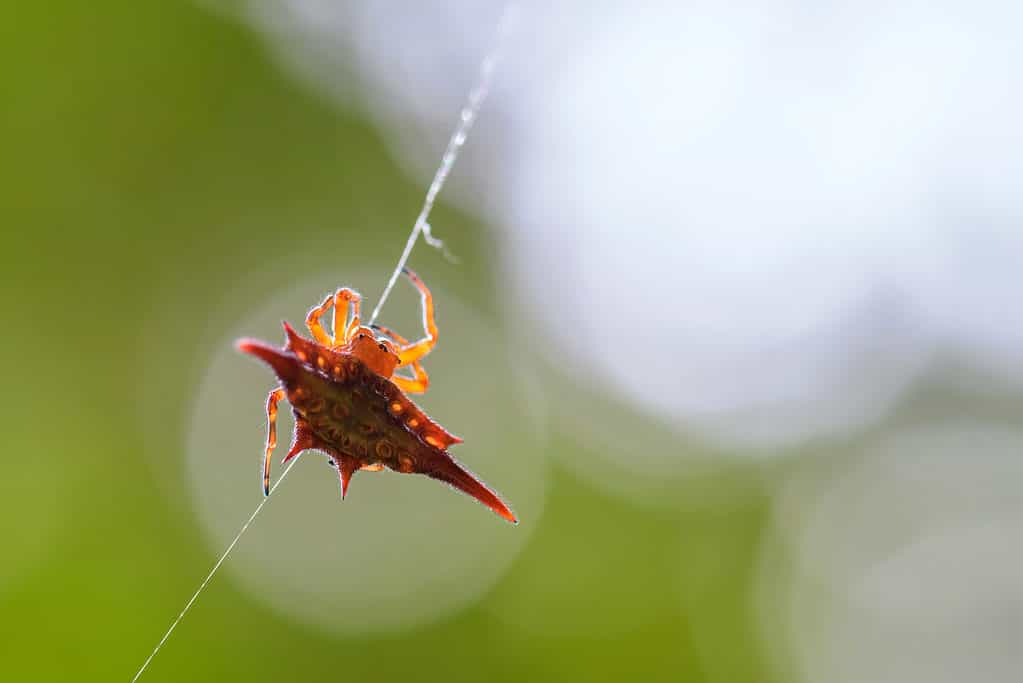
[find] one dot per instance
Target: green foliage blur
(151, 148)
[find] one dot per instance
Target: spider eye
(383, 346)
(362, 335)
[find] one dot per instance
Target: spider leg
(388, 332)
(412, 385)
(312, 321)
(271, 434)
(413, 352)
(343, 332)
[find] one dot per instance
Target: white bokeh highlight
(902, 566)
(782, 211)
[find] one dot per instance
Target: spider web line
(202, 586)
(466, 118)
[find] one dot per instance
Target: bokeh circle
(903, 565)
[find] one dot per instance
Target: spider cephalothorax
(349, 403)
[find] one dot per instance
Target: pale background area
(734, 327)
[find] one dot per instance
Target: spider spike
(452, 473)
(295, 449)
(301, 441)
(348, 466)
(293, 338)
(283, 363)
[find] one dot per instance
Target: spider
(349, 403)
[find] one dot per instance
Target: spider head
(379, 355)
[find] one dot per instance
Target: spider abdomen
(362, 420)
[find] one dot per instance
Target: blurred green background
(151, 148)
(154, 158)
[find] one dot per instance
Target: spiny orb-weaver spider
(349, 403)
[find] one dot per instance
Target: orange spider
(349, 404)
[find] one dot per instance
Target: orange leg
(312, 321)
(271, 434)
(343, 333)
(410, 385)
(413, 352)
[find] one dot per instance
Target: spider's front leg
(343, 333)
(413, 385)
(271, 434)
(410, 385)
(409, 353)
(312, 321)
